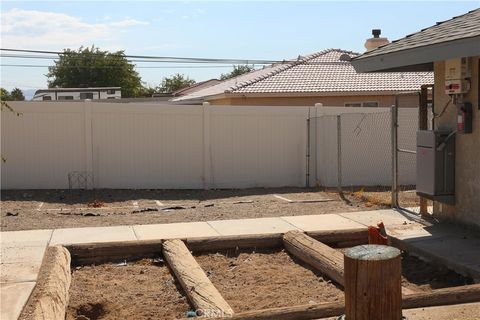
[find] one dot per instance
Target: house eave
(418, 58)
(311, 94)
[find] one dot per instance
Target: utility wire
(111, 66)
(218, 60)
(9, 56)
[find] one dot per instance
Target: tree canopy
(237, 70)
(15, 95)
(91, 67)
(174, 83)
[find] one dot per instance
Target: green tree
(17, 95)
(4, 95)
(174, 83)
(237, 70)
(91, 67)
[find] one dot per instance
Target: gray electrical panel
(436, 165)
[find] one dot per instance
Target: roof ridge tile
(287, 66)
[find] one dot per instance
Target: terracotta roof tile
(325, 72)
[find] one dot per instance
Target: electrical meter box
(436, 165)
(456, 74)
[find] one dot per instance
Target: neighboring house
(452, 50)
(195, 87)
(326, 77)
(77, 93)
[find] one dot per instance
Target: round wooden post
(373, 283)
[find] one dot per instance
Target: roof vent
(376, 41)
(345, 57)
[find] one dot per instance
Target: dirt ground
(42, 209)
(420, 275)
(251, 280)
(137, 290)
(247, 279)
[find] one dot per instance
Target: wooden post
(373, 283)
(199, 289)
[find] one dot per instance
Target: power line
(112, 66)
(9, 56)
(159, 58)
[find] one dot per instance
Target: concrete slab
(389, 217)
(251, 226)
(19, 272)
(467, 311)
(322, 222)
(13, 297)
(90, 235)
(174, 230)
(25, 238)
(456, 252)
(21, 254)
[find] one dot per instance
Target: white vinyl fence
(130, 145)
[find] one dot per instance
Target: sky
(269, 30)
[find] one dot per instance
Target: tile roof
(227, 84)
(461, 27)
(328, 71)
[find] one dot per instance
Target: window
(86, 95)
(370, 104)
(353, 104)
(65, 98)
(46, 98)
(111, 98)
(111, 91)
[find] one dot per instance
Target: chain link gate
(351, 152)
(404, 155)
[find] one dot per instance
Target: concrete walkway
(22, 251)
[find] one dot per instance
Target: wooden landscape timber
(316, 254)
(49, 298)
(437, 297)
(201, 292)
(130, 250)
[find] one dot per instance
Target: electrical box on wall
(436, 165)
(456, 73)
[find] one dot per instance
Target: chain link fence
(354, 154)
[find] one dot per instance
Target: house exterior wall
(467, 156)
(383, 101)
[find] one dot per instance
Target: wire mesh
(363, 143)
(80, 180)
(407, 159)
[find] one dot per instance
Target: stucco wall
(467, 160)
(384, 101)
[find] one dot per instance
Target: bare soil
(254, 280)
(421, 275)
(247, 279)
(137, 290)
(45, 209)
